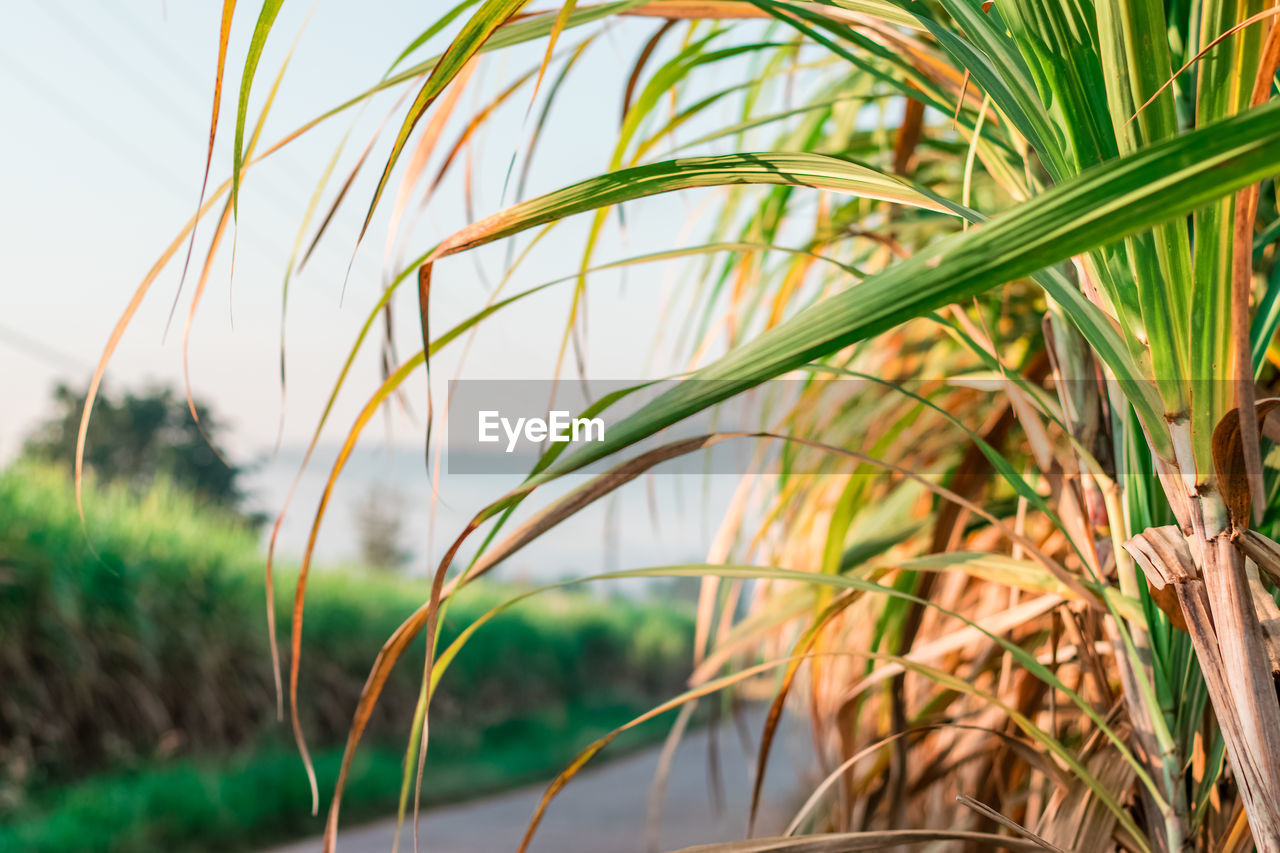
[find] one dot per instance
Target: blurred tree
(379, 526)
(135, 437)
(670, 590)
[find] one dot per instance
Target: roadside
(606, 808)
(138, 703)
(243, 801)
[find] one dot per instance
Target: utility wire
(128, 151)
(41, 350)
(144, 84)
(97, 130)
(108, 137)
(177, 111)
(190, 77)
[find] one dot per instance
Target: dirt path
(604, 810)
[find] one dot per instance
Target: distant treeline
(143, 635)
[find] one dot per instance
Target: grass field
(139, 711)
(260, 796)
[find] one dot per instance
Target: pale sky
(106, 105)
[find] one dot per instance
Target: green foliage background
(143, 639)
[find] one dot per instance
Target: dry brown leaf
(1231, 462)
(852, 842)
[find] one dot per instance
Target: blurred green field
(138, 708)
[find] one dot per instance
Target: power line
(132, 25)
(190, 76)
(175, 110)
(106, 135)
(97, 129)
(40, 349)
(142, 83)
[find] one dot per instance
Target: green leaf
(1106, 202)
(1224, 86)
(477, 30)
(1056, 40)
(1135, 66)
(777, 168)
(266, 18)
(1001, 72)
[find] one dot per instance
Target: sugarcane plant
(1069, 200)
